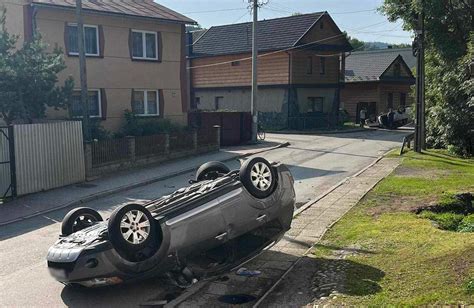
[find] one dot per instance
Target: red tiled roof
(140, 8)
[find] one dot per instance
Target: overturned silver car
(223, 219)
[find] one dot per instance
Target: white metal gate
(48, 155)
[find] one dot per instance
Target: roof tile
(140, 8)
(273, 34)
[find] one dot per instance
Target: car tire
(132, 232)
(79, 219)
(258, 177)
(211, 171)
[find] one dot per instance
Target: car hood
(69, 248)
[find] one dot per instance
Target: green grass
(421, 264)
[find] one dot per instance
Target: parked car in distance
(221, 220)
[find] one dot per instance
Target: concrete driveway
(317, 163)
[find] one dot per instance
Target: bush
(97, 131)
(138, 126)
(467, 225)
(445, 221)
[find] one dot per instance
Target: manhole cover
(86, 185)
(236, 299)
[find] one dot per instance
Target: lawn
(396, 257)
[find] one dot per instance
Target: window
(91, 40)
(144, 45)
(94, 100)
(218, 102)
(309, 65)
(390, 101)
(315, 104)
(322, 68)
(321, 25)
(235, 63)
(145, 103)
(403, 99)
(397, 70)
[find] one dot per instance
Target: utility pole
(422, 79)
(420, 132)
(83, 72)
(253, 103)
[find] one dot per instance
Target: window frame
(390, 100)
(322, 65)
(145, 102)
(216, 102)
(309, 67)
(313, 99)
(96, 27)
(144, 33)
(99, 101)
(404, 101)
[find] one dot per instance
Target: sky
(359, 18)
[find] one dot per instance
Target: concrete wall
(116, 72)
(270, 100)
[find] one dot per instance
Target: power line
(216, 11)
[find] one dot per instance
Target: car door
(201, 227)
(241, 212)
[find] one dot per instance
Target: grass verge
(420, 264)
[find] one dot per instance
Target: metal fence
(7, 163)
(207, 137)
(181, 141)
(129, 150)
(110, 151)
(48, 155)
(151, 145)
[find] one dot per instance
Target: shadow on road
(301, 173)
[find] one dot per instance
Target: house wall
(272, 103)
(269, 100)
(116, 72)
(330, 34)
(353, 93)
(390, 72)
(299, 66)
(272, 69)
(328, 94)
(14, 22)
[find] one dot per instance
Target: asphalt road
(317, 163)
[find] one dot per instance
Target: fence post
(218, 134)
(195, 140)
(131, 147)
(88, 158)
(167, 143)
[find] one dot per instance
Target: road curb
(335, 132)
(123, 188)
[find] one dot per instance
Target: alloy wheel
(261, 176)
(135, 227)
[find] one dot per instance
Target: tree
(28, 83)
(355, 43)
(449, 89)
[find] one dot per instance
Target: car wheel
(258, 177)
(132, 230)
(211, 171)
(79, 219)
